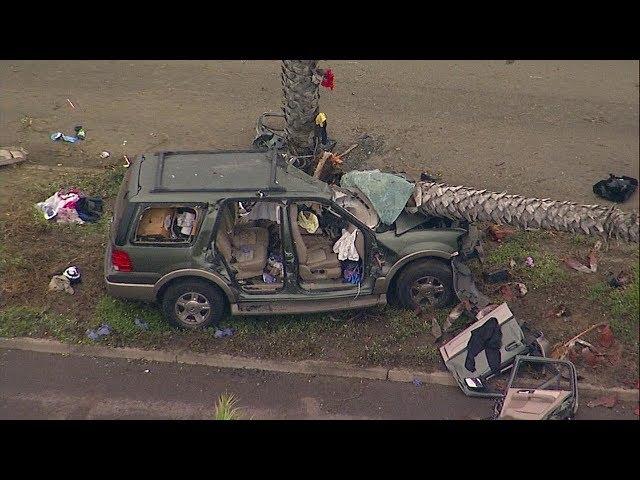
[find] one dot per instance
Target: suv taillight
(121, 261)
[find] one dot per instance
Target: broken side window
(168, 225)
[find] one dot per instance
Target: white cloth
(68, 215)
(185, 221)
(345, 247)
(264, 211)
(55, 202)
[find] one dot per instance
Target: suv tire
(193, 304)
(424, 284)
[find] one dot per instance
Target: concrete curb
(305, 367)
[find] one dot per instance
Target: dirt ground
(554, 128)
(537, 128)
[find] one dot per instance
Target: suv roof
(206, 175)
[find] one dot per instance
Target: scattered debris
(227, 332)
(268, 137)
(126, 159)
(521, 289)
(513, 290)
(328, 79)
(436, 331)
(71, 205)
(616, 189)
(512, 263)
(507, 292)
(466, 289)
(498, 327)
(454, 314)
(558, 311)
(11, 155)
(529, 262)
(497, 276)
(80, 132)
(67, 138)
(80, 135)
(60, 283)
(486, 310)
(147, 371)
(589, 357)
(576, 265)
(73, 274)
(100, 332)
(417, 382)
(499, 232)
(457, 312)
(71, 103)
(140, 323)
(592, 258)
(104, 154)
(542, 401)
(328, 165)
(608, 401)
(606, 337)
(621, 280)
(560, 350)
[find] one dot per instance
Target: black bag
(89, 209)
(616, 189)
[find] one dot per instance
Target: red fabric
(327, 79)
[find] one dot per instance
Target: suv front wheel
(193, 304)
(424, 284)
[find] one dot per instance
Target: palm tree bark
(458, 203)
(300, 105)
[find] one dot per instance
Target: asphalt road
(47, 386)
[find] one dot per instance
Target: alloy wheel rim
(427, 290)
(192, 308)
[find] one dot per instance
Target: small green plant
(623, 305)
(121, 316)
(227, 409)
(33, 322)
(547, 270)
(427, 353)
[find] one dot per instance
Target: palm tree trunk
(458, 203)
(301, 104)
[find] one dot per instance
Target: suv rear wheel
(193, 304)
(424, 284)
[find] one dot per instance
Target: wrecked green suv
(208, 234)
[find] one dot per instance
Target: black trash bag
(617, 189)
(89, 209)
